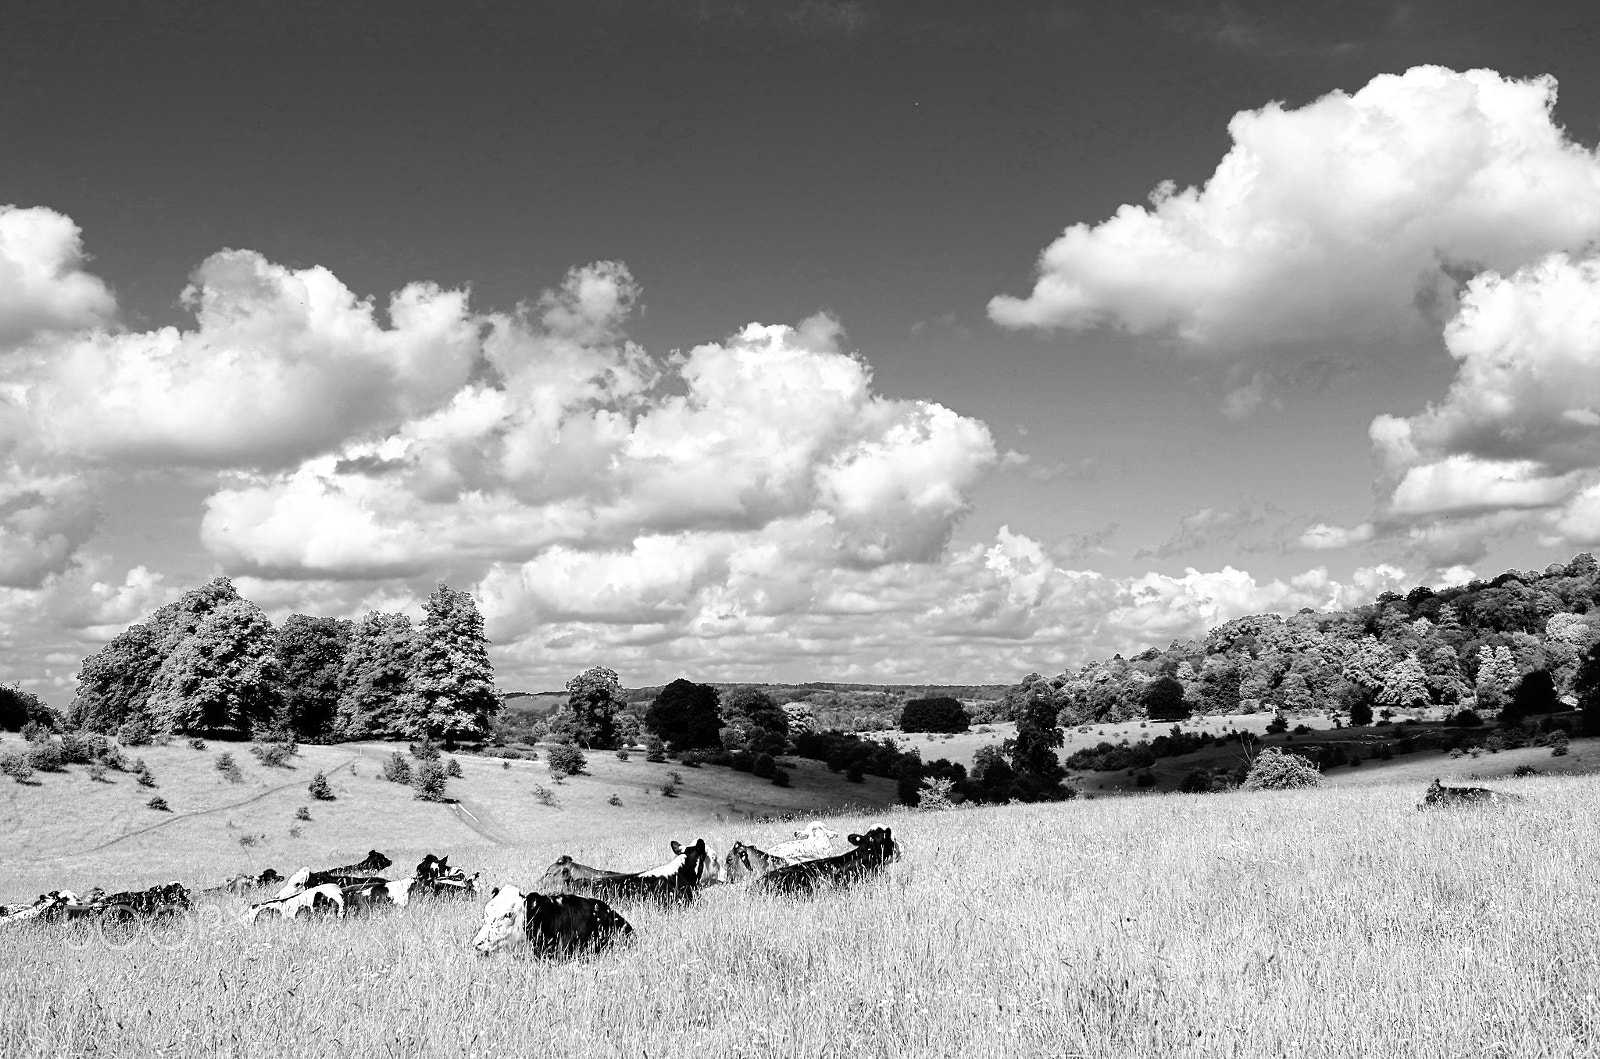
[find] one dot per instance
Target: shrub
(669, 790)
(1524, 770)
(1274, 770)
(273, 755)
(852, 774)
(764, 766)
(77, 748)
(429, 780)
(622, 755)
(46, 757)
(229, 767)
(294, 832)
(568, 760)
(1278, 725)
(302, 813)
(135, 733)
(1465, 719)
(452, 768)
(1197, 781)
(197, 743)
(15, 764)
(505, 765)
(694, 759)
(397, 769)
(614, 800)
(545, 796)
(424, 751)
(780, 778)
(319, 788)
(97, 772)
(1302, 729)
(159, 804)
(655, 749)
(1558, 745)
(1144, 779)
(744, 761)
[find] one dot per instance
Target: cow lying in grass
(242, 883)
(1440, 796)
(364, 897)
(560, 925)
(344, 875)
(872, 851)
(436, 878)
(746, 862)
(568, 876)
(324, 899)
(813, 842)
(48, 906)
(674, 881)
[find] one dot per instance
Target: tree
(114, 682)
(937, 714)
(375, 678)
(593, 699)
(428, 779)
(1033, 749)
(1162, 700)
(765, 726)
(319, 788)
(222, 677)
(565, 760)
(1497, 674)
(310, 653)
(1587, 686)
(1405, 686)
(1534, 694)
(452, 681)
(686, 715)
(19, 708)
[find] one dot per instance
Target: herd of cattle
(567, 911)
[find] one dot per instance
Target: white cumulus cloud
(43, 287)
(1338, 218)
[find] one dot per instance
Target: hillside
(65, 829)
(1319, 924)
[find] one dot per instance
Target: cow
(1439, 796)
(673, 881)
(325, 899)
(48, 906)
(435, 877)
(559, 925)
(568, 876)
(244, 883)
(364, 897)
(345, 875)
(872, 851)
(813, 842)
(746, 862)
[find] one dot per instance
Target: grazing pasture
(1332, 922)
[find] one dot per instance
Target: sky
(912, 342)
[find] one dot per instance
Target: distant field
(1337, 922)
(68, 831)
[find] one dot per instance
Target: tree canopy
(686, 715)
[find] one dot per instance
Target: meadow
(1333, 922)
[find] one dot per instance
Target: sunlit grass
(1319, 923)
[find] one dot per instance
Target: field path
(175, 817)
(475, 816)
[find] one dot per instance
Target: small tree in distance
(1163, 700)
(319, 789)
(1274, 770)
(566, 760)
(936, 714)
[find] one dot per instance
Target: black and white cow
(674, 881)
(1440, 796)
(52, 905)
(325, 899)
(364, 897)
(558, 925)
(568, 876)
(872, 851)
(436, 878)
(746, 862)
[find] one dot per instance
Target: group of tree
(1519, 644)
(212, 664)
(683, 715)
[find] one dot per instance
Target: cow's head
(817, 829)
(878, 844)
(736, 866)
(505, 920)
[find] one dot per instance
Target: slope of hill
(64, 829)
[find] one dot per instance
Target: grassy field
(1338, 922)
(69, 831)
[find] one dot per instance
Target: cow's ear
(677, 850)
(700, 844)
(855, 840)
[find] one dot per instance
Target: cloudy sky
(824, 339)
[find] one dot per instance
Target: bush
(1465, 719)
(452, 768)
(545, 796)
(1360, 713)
(15, 764)
(1278, 725)
(1302, 729)
(937, 714)
(1558, 745)
(614, 800)
(1144, 779)
(135, 733)
(46, 757)
(97, 772)
(159, 804)
(197, 743)
(744, 761)
(143, 774)
(852, 774)
(77, 748)
(568, 760)
(319, 788)
(1524, 770)
(397, 769)
(1197, 781)
(654, 749)
(622, 755)
(505, 765)
(429, 780)
(273, 755)
(1273, 770)
(229, 767)
(780, 778)
(424, 751)
(303, 813)
(669, 790)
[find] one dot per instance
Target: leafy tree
(428, 779)
(375, 678)
(685, 715)
(1534, 694)
(594, 697)
(222, 677)
(319, 788)
(19, 709)
(1405, 686)
(1162, 700)
(764, 725)
(1497, 675)
(114, 682)
(937, 714)
(566, 760)
(452, 681)
(310, 653)
(1360, 713)
(1587, 686)
(1033, 750)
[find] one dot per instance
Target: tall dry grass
(1320, 923)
